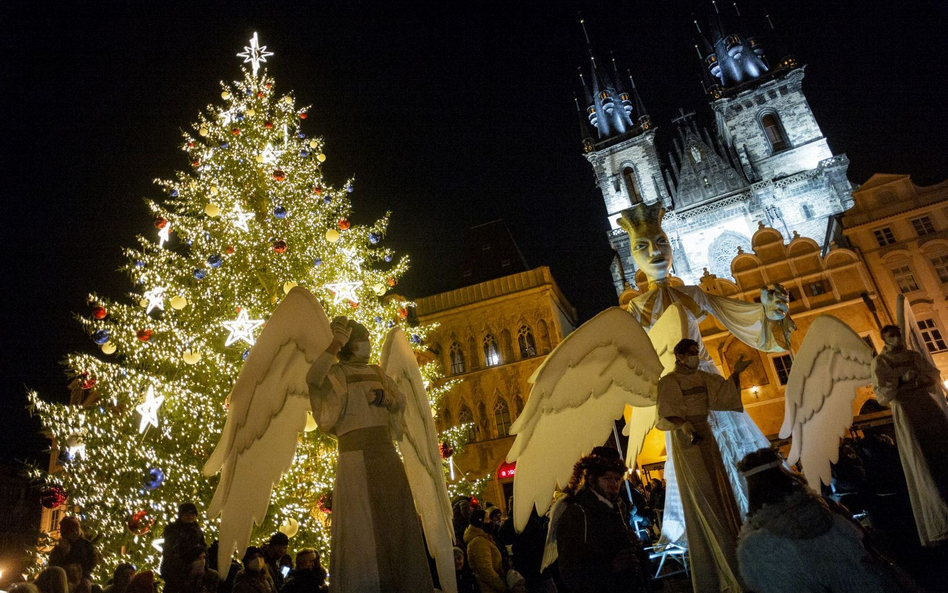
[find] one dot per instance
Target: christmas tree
(252, 217)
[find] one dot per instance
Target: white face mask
(256, 564)
(197, 566)
(690, 362)
(362, 349)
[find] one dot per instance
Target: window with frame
(782, 366)
(807, 211)
(631, 185)
(923, 225)
(491, 351)
(940, 264)
(528, 346)
(932, 335)
(466, 420)
(817, 288)
(774, 131)
(502, 417)
(457, 359)
(904, 278)
(884, 236)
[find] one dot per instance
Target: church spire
(608, 105)
(583, 128)
(644, 119)
(731, 57)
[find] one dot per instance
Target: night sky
(450, 114)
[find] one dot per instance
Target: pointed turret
(583, 128)
(645, 119)
(624, 99)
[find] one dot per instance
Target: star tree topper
(255, 53)
(149, 409)
(241, 329)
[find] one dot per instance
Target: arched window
(491, 351)
(466, 419)
(631, 185)
(472, 349)
(502, 416)
(457, 359)
(528, 346)
(774, 131)
(545, 346)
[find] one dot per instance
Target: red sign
(506, 470)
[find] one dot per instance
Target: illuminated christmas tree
(252, 217)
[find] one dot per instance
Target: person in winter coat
(181, 536)
(143, 582)
(273, 554)
(228, 574)
(120, 578)
(598, 552)
(52, 580)
(200, 578)
(73, 548)
(309, 576)
(793, 542)
(461, 512)
(483, 556)
(254, 578)
(463, 575)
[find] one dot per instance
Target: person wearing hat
(598, 552)
(483, 555)
(792, 540)
(461, 511)
(73, 548)
(181, 535)
(254, 578)
(376, 535)
(273, 552)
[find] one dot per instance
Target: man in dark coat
(598, 553)
(73, 548)
(273, 553)
(181, 537)
(308, 576)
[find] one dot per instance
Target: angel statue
(832, 363)
(610, 362)
(291, 370)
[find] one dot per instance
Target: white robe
(920, 415)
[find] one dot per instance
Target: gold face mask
(651, 249)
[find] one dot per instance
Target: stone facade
(493, 335)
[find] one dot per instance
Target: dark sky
(448, 113)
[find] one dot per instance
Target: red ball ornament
(446, 450)
(87, 380)
(236, 131)
(268, 85)
(303, 115)
(99, 313)
(403, 312)
(53, 497)
(195, 163)
(279, 246)
(230, 250)
(354, 304)
(324, 503)
(268, 125)
(279, 175)
(260, 94)
(160, 222)
(144, 334)
(140, 523)
(190, 144)
(344, 224)
(391, 282)
(318, 190)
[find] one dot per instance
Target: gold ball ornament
(379, 289)
(212, 210)
(143, 302)
(179, 302)
(310, 423)
(204, 131)
(259, 158)
(290, 527)
(313, 144)
(321, 157)
(250, 113)
(108, 348)
(288, 99)
(225, 95)
(288, 286)
(332, 235)
(192, 356)
(214, 190)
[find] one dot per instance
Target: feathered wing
(268, 407)
(580, 389)
(832, 363)
(418, 443)
(670, 328)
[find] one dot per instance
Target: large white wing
(419, 447)
(578, 392)
(832, 363)
(268, 407)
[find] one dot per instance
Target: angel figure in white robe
(291, 370)
(584, 386)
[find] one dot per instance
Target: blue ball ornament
(317, 261)
(374, 238)
(200, 274)
(349, 188)
(304, 153)
(246, 353)
(301, 135)
(155, 479)
(214, 260)
(378, 319)
(279, 212)
(225, 144)
(174, 193)
(101, 336)
(327, 199)
(416, 339)
(140, 264)
(388, 257)
(239, 116)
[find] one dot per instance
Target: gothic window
(904, 278)
(782, 366)
(545, 345)
(932, 335)
(774, 131)
(472, 350)
(446, 420)
(457, 359)
(466, 420)
(502, 417)
(528, 346)
(884, 236)
(491, 351)
(632, 185)
(923, 225)
(940, 263)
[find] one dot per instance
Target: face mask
(197, 566)
(256, 564)
(362, 349)
(690, 362)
